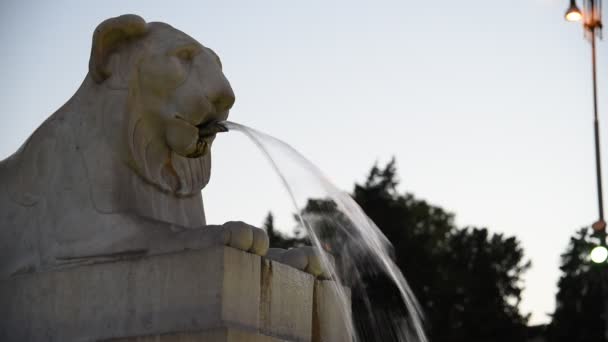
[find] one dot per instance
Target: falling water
(335, 223)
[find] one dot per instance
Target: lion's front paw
(307, 259)
(245, 237)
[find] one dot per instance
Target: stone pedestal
(218, 294)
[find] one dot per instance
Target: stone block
(328, 320)
(187, 291)
(217, 335)
(217, 294)
(286, 302)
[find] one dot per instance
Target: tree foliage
(468, 281)
(281, 240)
(579, 313)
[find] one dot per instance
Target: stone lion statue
(118, 170)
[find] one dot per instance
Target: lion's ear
(108, 36)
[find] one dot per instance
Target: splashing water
(335, 223)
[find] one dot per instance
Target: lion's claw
(307, 259)
(245, 237)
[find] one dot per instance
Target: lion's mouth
(206, 134)
(211, 128)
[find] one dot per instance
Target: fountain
(339, 226)
(103, 234)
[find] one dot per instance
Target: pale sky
(485, 104)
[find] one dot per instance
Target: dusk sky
(486, 105)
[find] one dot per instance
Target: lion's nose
(221, 96)
(223, 100)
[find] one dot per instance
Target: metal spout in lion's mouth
(205, 133)
(211, 128)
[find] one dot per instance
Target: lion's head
(176, 95)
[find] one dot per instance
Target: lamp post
(591, 15)
(592, 24)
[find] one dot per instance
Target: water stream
(384, 308)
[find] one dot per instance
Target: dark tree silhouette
(579, 313)
(281, 240)
(468, 281)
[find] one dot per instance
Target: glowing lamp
(599, 254)
(573, 13)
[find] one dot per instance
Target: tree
(481, 288)
(468, 281)
(579, 313)
(278, 239)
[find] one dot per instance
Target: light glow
(574, 16)
(599, 254)
(573, 13)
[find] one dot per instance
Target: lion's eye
(186, 53)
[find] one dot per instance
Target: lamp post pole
(600, 225)
(598, 167)
(592, 24)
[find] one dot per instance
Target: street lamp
(592, 25)
(573, 13)
(599, 254)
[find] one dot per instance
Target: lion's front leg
(307, 259)
(245, 237)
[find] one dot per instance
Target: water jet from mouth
(335, 223)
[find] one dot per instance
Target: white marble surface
(216, 335)
(286, 302)
(174, 293)
(330, 318)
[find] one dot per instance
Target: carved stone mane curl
(162, 167)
